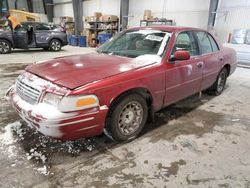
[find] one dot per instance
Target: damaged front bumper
(48, 120)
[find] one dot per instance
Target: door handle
(221, 59)
(200, 64)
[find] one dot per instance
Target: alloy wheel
(55, 45)
(4, 47)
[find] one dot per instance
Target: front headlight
(52, 99)
(71, 103)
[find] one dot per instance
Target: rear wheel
(219, 85)
(5, 47)
(55, 45)
(128, 117)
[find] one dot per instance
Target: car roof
(34, 23)
(168, 28)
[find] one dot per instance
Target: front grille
(26, 92)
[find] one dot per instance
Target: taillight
(63, 30)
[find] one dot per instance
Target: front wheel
(5, 47)
(55, 45)
(127, 117)
(219, 85)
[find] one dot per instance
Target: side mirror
(181, 55)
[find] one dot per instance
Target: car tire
(55, 45)
(127, 117)
(5, 47)
(219, 85)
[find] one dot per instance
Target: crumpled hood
(78, 70)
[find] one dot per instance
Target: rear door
(183, 78)
(43, 34)
(211, 56)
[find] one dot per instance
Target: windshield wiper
(103, 52)
(122, 54)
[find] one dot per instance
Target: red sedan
(116, 89)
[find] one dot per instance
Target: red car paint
(109, 76)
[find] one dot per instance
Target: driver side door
(20, 38)
(183, 78)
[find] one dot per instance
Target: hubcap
(55, 45)
(130, 118)
(221, 81)
(4, 47)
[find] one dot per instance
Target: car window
(4, 26)
(213, 43)
(27, 26)
(186, 41)
(134, 43)
(54, 27)
(42, 27)
(204, 42)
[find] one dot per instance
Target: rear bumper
(65, 126)
(65, 42)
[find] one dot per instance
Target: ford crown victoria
(127, 80)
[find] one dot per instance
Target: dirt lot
(194, 143)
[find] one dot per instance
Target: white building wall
(232, 15)
(63, 9)
(103, 6)
(21, 4)
(89, 7)
(193, 13)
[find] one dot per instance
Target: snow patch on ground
(21, 143)
(7, 140)
(14, 133)
(43, 170)
(38, 155)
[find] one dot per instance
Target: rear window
(43, 27)
(204, 42)
(213, 43)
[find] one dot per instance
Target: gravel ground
(195, 143)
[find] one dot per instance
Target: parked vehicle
(115, 90)
(33, 35)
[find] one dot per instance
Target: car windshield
(134, 43)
